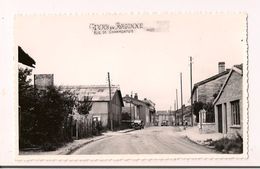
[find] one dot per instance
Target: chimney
(136, 96)
(221, 67)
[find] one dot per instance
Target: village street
(151, 140)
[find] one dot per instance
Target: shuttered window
(235, 112)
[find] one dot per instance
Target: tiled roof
(96, 92)
(212, 78)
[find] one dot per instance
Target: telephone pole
(110, 104)
(181, 99)
(177, 107)
(174, 112)
(191, 98)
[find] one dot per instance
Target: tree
(27, 99)
(197, 106)
(210, 116)
(85, 106)
(43, 114)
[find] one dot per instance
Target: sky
(144, 62)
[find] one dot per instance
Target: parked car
(138, 124)
(164, 123)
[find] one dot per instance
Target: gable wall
(206, 91)
(232, 91)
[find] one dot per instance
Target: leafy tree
(210, 116)
(27, 117)
(43, 114)
(85, 106)
(197, 106)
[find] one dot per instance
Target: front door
(220, 130)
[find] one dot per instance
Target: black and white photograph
(157, 84)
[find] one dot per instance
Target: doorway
(220, 129)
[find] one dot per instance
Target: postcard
(131, 86)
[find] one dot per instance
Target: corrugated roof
(96, 92)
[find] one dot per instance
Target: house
(206, 90)
(229, 103)
(150, 116)
(102, 107)
(164, 115)
(135, 109)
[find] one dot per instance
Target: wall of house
(231, 92)
(135, 110)
(116, 110)
(144, 114)
(100, 109)
(205, 92)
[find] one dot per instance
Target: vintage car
(138, 124)
(164, 123)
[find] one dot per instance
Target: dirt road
(151, 140)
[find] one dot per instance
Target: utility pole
(177, 107)
(175, 111)
(181, 99)
(131, 106)
(191, 98)
(110, 104)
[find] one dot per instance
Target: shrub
(43, 114)
(226, 145)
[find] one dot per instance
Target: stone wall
(207, 127)
(206, 91)
(42, 81)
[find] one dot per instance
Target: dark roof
(210, 79)
(133, 100)
(239, 66)
(24, 58)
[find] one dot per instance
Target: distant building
(165, 116)
(229, 103)
(186, 115)
(42, 81)
(101, 102)
(135, 109)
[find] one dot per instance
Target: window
(235, 113)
